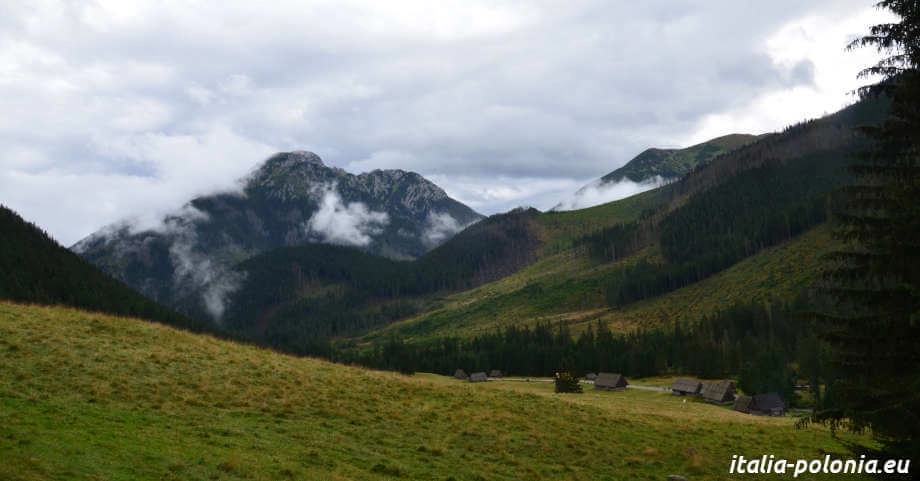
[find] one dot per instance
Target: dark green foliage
(565, 382)
(872, 317)
(36, 269)
(618, 241)
(764, 372)
(757, 208)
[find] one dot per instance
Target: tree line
(765, 345)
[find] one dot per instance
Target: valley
(459, 241)
(88, 396)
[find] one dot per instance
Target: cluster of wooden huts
(715, 392)
(478, 376)
(723, 393)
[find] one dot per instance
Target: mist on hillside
(599, 192)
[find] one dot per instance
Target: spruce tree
(872, 319)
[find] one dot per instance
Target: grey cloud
(179, 98)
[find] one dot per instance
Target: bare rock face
(292, 199)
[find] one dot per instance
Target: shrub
(565, 382)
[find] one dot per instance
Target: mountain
(36, 269)
(576, 267)
(293, 297)
(673, 163)
(651, 169)
(292, 199)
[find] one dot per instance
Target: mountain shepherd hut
(610, 382)
(686, 387)
(721, 392)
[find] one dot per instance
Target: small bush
(565, 382)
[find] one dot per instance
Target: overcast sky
(115, 109)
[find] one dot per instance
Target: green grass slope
(89, 396)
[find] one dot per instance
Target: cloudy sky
(115, 109)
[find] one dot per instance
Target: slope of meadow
(89, 396)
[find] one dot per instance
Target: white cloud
(440, 226)
(819, 40)
(597, 193)
(491, 195)
(156, 174)
(194, 270)
(352, 224)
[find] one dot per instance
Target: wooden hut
(478, 377)
(610, 382)
(495, 373)
(770, 404)
(461, 374)
(686, 387)
(590, 376)
(721, 392)
(743, 404)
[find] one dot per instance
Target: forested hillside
(36, 269)
(658, 248)
(296, 298)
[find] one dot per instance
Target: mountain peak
(288, 175)
(293, 158)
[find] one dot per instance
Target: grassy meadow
(94, 397)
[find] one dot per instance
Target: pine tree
(872, 320)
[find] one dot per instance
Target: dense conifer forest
(767, 346)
